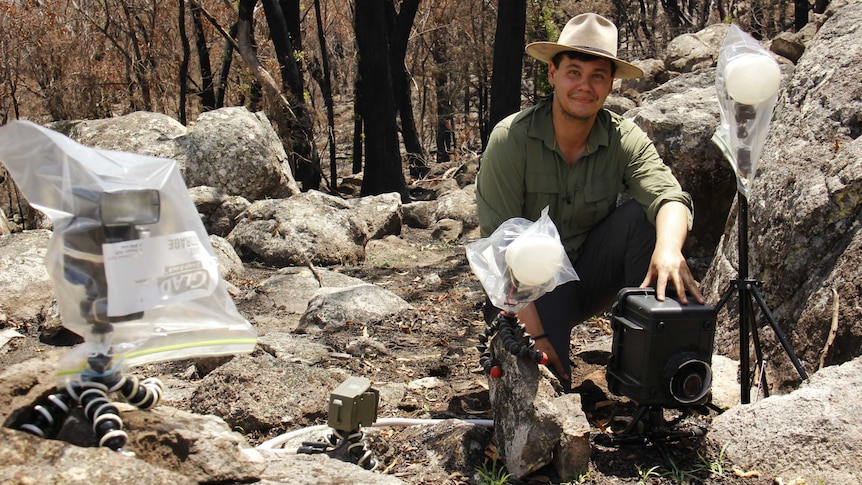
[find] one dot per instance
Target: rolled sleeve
(649, 180)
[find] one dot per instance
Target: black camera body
(662, 351)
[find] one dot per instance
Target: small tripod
(91, 393)
(648, 426)
(345, 446)
(748, 288)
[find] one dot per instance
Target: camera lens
(690, 383)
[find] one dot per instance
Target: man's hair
(581, 56)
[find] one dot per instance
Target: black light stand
(747, 288)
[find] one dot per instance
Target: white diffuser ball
(534, 259)
(752, 78)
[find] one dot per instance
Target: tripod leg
(778, 333)
(744, 334)
(726, 296)
(758, 352)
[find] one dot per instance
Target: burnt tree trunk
(306, 164)
(506, 73)
(226, 61)
(400, 25)
(324, 79)
(800, 14)
(184, 64)
(207, 91)
(358, 133)
(445, 105)
(383, 171)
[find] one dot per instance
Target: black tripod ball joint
(515, 339)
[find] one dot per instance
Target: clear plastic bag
(747, 82)
(521, 261)
(133, 269)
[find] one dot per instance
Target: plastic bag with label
(521, 261)
(131, 263)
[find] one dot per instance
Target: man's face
(581, 87)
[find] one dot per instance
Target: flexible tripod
(346, 446)
(91, 392)
(748, 288)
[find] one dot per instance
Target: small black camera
(662, 351)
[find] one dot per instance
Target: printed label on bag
(157, 271)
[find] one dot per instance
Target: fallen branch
(832, 330)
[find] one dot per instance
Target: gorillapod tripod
(748, 288)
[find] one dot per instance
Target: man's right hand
(530, 318)
(544, 345)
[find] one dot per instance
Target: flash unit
(129, 207)
(353, 404)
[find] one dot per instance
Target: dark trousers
(616, 254)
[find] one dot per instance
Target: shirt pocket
(600, 200)
(541, 191)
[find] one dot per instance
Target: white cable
(275, 444)
(281, 439)
(486, 423)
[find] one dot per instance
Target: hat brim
(545, 51)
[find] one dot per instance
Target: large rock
(25, 287)
(259, 392)
(314, 227)
(239, 153)
(332, 309)
(534, 425)
(218, 211)
(813, 433)
(680, 116)
(28, 459)
(690, 52)
(141, 132)
(804, 232)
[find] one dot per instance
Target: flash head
(129, 207)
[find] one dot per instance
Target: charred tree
(358, 134)
(445, 106)
(207, 92)
(400, 25)
(306, 164)
(184, 63)
(383, 172)
(506, 74)
(678, 19)
(324, 79)
(226, 61)
(800, 14)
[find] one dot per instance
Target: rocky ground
(433, 348)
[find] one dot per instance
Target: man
(573, 156)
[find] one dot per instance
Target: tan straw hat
(591, 34)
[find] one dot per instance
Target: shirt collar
(542, 127)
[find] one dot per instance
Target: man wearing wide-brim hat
(569, 154)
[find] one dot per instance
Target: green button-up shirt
(523, 171)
